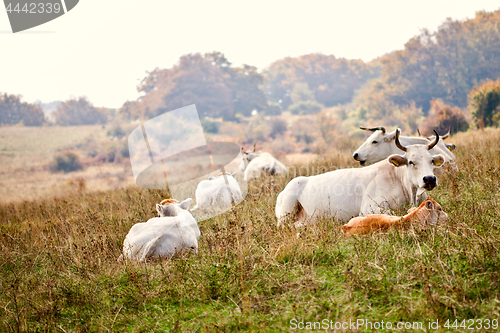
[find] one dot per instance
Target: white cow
(345, 193)
(214, 193)
(256, 165)
(380, 145)
(175, 231)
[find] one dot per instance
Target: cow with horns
(380, 146)
(257, 164)
(380, 187)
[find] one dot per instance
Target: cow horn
(373, 129)
(398, 144)
(255, 144)
(436, 140)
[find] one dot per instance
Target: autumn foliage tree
(443, 118)
(332, 80)
(14, 111)
(210, 81)
(446, 64)
(79, 112)
(484, 104)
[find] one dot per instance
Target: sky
(103, 48)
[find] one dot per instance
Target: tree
(332, 80)
(209, 81)
(443, 118)
(446, 64)
(14, 111)
(484, 104)
(79, 112)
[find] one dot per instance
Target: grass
(58, 268)
(27, 152)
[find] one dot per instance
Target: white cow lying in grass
(256, 165)
(175, 231)
(214, 193)
(377, 188)
(380, 145)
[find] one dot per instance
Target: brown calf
(429, 212)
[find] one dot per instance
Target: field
(25, 155)
(59, 270)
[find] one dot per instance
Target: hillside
(59, 269)
(27, 152)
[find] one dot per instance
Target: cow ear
(186, 203)
(398, 160)
(390, 136)
(158, 209)
(234, 175)
(437, 160)
(429, 205)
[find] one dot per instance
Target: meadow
(26, 154)
(58, 267)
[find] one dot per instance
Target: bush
(273, 109)
(278, 127)
(210, 126)
(484, 104)
(116, 131)
(443, 117)
(66, 161)
(305, 107)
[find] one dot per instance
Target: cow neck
(409, 189)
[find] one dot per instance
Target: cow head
(376, 148)
(247, 157)
(429, 212)
(172, 207)
(419, 162)
(222, 174)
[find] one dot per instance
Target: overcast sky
(102, 48)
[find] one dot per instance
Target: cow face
(376, 148)
(429, 212)
(419, 162)
(247, 157)
(172, 207)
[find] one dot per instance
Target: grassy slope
(25, 153)
(59, 272)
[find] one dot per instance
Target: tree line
(437, 76)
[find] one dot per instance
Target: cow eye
(374, 142)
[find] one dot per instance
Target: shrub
(116, 131)
(273, 109)
(66, 161)
(443, 117)
(484, 104)
(278, 127)
(210, 126)
(305, 107)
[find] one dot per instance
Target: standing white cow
(175, 231)
(215, 193)
(380, 145)
(345, 193)
(256, 165)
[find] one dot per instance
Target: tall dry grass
(58, 268)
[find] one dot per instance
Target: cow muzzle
(430, 182)
(357, 158)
